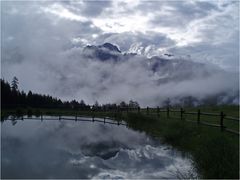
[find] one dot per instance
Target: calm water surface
(83, 149)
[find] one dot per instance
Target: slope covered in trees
(12, 97)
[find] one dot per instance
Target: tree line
(12, 97)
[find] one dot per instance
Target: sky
(41, 41)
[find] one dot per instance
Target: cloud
(29, 46)
(62, 12)
(219, 43)
(128, 39)
(95, 8)
(42, 43)
(183, 12)
(92, 79)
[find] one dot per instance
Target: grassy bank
(215, 153)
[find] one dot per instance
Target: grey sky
(37, 35)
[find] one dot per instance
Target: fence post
(221, 120)
(158, 110)
(120, 111)
(181, 113)
(93, 114)
(76, 117)
(115, 115)
(41, 117)
(59, 117)
(138, 110)
(168, 112)
(198, 116)
(147, 110)
(104, 119)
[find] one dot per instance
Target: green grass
(215, 153)
(232, 111)
(228, 110)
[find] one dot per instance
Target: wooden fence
(222, 117)
(104, 120)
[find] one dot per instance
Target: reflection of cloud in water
(68, 149)
(145, 162)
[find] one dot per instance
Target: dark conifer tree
(11, 97)
(14, 83)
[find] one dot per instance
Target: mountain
(176, 70)
(104, 52)
(182, 80)
(165, 69)
(110, 47)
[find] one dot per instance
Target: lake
(84, 149)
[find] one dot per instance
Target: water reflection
(69, 149)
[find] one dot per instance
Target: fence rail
(76, 118)
(181, 114)
(199, 116)
(209, 114)
(231, 118)
(189, 112)
(222, 116)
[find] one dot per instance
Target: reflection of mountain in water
(104, 150)
(68, 149)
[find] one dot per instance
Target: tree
(11, 97)
(82, 103)
(14, 84)
(123, 104)
(6, 94)
(133, 104)
(74, 104)
(96, 105)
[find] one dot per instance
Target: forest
(12, 97)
